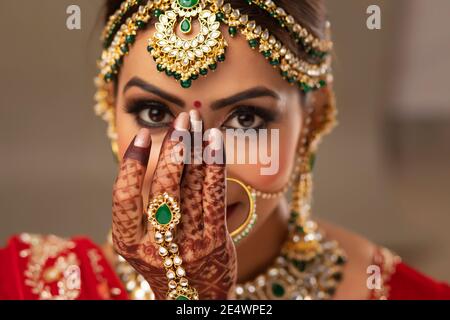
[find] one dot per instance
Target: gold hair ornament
(186, 59)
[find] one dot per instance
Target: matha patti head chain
(186, 52)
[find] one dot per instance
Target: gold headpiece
(187, 58)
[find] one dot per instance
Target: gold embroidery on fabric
(387, 261)
(103, 287)
(64, 271)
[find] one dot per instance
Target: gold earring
(244, 229)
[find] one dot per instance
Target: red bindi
(197, 104)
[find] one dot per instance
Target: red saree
(48, 267)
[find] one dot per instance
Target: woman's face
(245, 92)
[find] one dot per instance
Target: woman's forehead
(243, 68)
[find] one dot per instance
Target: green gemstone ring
(163, 212)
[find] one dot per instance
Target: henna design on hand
(205, 246)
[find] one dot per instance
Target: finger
(214, 189)
(191, 226)
(169, 169)
(127, 213)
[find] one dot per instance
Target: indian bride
(179, 81)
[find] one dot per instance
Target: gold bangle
(244, 229)
(164, 214)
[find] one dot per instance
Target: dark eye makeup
(156, 114)
(250, 117)
(150, 113)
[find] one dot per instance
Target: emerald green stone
(186, 83)
(277, 290)
(194, 77)
(187, 3)
(220, 16)
(267, 53)
(181, 297)
(274, 62)
(140, 24)
(177, 76)
(160, 67)
(150, 48)
(213, 66)
(253, 43)
(306, 88)
(322, 83)
(157, 13)
(130, 38)
(185, 26)
(203, 72)
(124, 48)
(232, 31)
(109, 77)
(221, 58)
(163, 215)
(169, 73)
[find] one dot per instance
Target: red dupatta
(48, 267)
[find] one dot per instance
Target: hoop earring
(244, 229)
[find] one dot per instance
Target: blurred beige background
(384, 173)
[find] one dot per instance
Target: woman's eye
(155, 116)
(245, 120)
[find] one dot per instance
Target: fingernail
(215, 138)
(196, 121)
(215, 135)
(182, 121)
(143, 138)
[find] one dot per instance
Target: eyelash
(266, 115)
(136, 107)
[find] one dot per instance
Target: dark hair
(311, 14)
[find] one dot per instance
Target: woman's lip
(231, 209)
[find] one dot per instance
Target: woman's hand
(205, 245)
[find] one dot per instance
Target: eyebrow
(251, 93)
(139, 83)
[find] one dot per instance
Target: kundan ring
(164, 214)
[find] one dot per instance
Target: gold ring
(164, 214)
